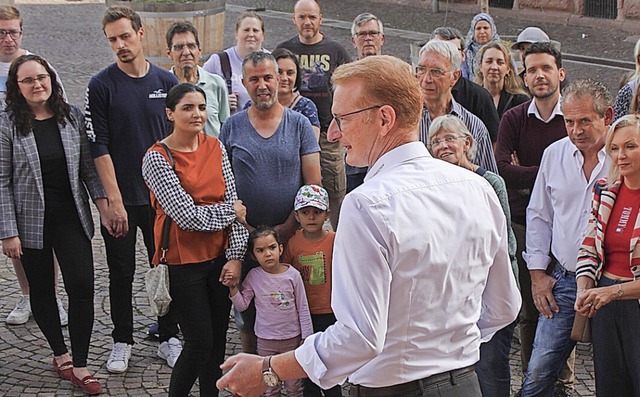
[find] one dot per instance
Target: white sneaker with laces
(21, 313)
(118, 361)
(64, 317)
(170, 351)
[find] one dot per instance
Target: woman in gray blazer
(45, 173)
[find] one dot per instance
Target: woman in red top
(206, 238)
(609, 265)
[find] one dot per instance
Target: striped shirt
(484, 156)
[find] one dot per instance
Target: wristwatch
(269, 377)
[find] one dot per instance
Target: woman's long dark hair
(283, 53)
(17, 107)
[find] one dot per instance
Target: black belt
(415, 386)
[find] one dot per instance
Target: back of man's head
(446, 49)
(385, 80)
(115, 13)
(181, 27)
(8, 13)
(448, 33)
(543, 48)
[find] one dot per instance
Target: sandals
(88, 384)
(65, 370)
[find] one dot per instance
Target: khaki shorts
(334, 178)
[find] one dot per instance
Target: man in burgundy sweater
(525, 132)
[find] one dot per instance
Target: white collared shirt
(421, 273)
(560, 203)
(533, 109)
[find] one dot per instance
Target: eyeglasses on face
(435, 73)
(180, 47)
(448, 139)
(339, 122)
(363, 35)
(14, 34)
(41, 78)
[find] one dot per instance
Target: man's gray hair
(588, 88)
(364, 18)
(445, 48)
(258, 57)
(448, 33)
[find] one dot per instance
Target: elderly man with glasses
(438, 71)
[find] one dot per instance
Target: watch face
(270, 379)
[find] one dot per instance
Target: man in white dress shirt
(421, 269)
(557, 216)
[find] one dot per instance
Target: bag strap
(225, 64)
(295, 101)
(167, 221)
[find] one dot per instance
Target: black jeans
(121, 259)
(63, 233)
(202, 306)
(320, 323)
(616, 346)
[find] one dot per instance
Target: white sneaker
(170, 351)
(118, 361)
(64, 317)
(20, 314)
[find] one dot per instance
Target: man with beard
(183, 47)
(319, 56)
(273, 152)
(124, 116)
(525, 132)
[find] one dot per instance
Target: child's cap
(312, 195)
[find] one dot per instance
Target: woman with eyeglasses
(45, 172)
(451, 141)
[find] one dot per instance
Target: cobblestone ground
(68, 33)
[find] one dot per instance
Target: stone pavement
(68, 34)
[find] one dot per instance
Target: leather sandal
(65, 370)
(88, 384)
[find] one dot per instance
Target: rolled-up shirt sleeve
(360, 300)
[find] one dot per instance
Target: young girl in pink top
(282, 311)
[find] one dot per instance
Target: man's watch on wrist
(269, 377)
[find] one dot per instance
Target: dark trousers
(320, 323)
(121, 259)
(63, 233)
(202, 305)
(616, 346)
(494, 372)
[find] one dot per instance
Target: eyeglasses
(447, 139)
(363, 35)
(14, 34)
(339, 122)
(41, 78)
(434, 73)
(180, 47)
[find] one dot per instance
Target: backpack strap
(225, 64)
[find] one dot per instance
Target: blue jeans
(494, 372)
(552, 345)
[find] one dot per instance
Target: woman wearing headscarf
(482, 31)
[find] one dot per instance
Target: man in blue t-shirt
(273, 152)
(125, 115)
